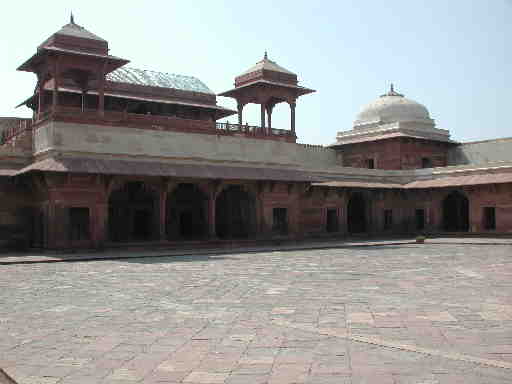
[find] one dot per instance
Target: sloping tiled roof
(136, 76)
(76, 30)
(147, 168)
(267, 65)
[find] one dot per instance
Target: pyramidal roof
(75, 30)
(267, 65)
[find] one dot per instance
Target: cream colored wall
(138, 142)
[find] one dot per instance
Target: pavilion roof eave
(220, 111)
(300, 90)
(27, 66)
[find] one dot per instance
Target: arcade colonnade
(94, 210)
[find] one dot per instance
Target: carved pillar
(51, 226)
(292, 117)
(101, 90)
(163, 213)
(240, 113)
(269, 107)
(212, 231)
(99, 225)
(39, 100)
(262, 117)
(55, 99)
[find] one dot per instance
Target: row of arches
(134, 213)
(455, 208)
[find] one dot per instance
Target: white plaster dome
(390, 108)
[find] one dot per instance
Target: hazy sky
(450, 55)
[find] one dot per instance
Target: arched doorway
(187, 210)
(456, 212)
(235, 211)
(132, 213)
(356, 213)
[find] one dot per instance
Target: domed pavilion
(405, 127)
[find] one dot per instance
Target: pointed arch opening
(456, 212)
(235, 213)
(133, 213)
(187, 213)
(356, 213)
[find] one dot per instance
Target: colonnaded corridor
(388, 315)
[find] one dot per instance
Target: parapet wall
(124, 141)
(481, 152)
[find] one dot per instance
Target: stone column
(269, 117)
(163, 213)
(240, 113)
(55, 99)
(39, 100)
(99, 224)
(101, 90)
(292, 117)
(212, 231)
(263, 117)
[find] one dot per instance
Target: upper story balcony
(24, 128)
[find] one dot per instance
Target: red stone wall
(398, 153)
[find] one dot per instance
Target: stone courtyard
(433, 313)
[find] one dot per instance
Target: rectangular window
(490, 218)
(388, 219)
(79, 224)
(370, 163)
(280, 224)
(420, 219)
(332, 220)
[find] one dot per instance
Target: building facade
(119, 155)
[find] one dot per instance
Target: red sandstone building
(115, 154)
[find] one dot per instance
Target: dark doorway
(356, 213)
(420, 219)
(235, 211)
(388, 219)
(38, 229)
(79, 224)
(489, 218)
(280, 221)
(426, 162)
(456, 212)
(132, 213)
(332, 220)
(187, 209)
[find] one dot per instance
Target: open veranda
(433, 313)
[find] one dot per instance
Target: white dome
(390, 108)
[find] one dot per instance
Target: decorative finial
(265, 57)
(71, 19)
(392, 92)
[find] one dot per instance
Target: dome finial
(72, 19)
(265, 56)
(392, 92)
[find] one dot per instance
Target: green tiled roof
(157, 79)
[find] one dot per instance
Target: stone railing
(156, 122)
(252, 130)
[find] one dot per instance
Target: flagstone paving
(429, 314)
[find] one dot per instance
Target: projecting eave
(262, 83)
(30, 65)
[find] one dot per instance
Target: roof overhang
(151, 168)
(114, 62)
(299, 91)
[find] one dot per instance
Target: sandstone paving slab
(436, 313)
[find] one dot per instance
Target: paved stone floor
(437, 313)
